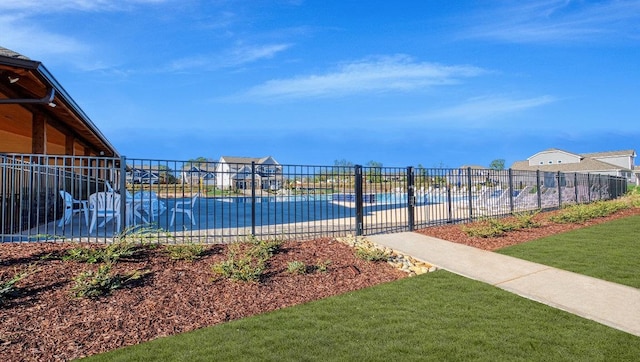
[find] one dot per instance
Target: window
(550, 162)
(559, 161)
(541, 162)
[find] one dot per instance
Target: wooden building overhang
(38, 116)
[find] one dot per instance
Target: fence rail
(212, 202)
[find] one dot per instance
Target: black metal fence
(49, 198)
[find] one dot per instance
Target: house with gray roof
(236, 173)
(616, 163)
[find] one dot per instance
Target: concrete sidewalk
(611, 304)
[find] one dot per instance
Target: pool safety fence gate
(96, 199)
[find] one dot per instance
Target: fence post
(589, 187)
(469, 193)
(253, 198)
(123, 193)
(449, 204)
(359, 199)
(575, 185)
(559, 189)
(411, 198)
(538, 189)
(510, 174)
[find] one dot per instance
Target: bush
(297, 267)
(371, 254)
(241, 264)
(188, 252)
(323, 266)
(90, 284)
(577, 214)
(8, 287)
(263, 249)
(239, 268)
(121, 248)
(525, 220)
(488, 228)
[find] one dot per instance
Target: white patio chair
(148, 202)
(71, 207)
(105, 205)
(185, 207)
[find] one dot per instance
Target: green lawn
(436, 316)
(609, 251)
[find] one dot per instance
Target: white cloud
(35, 42)
(250, 54)
(485, 108)
(50, 6)
(372, 75)
(232, 58)
(559, 21)
(22, 31)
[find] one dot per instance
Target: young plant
(323, 266)
(94, 284)
(525, 220)
(371, 254)
(239, 268)
(297, 267)
(263, 249)
(578, 214)
(188, 252)
(8, 287)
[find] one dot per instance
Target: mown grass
(608, 251)
(435, 316)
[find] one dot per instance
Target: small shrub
(371, 254)
(8, 287)
(90, 284)
(239, 268)
(188, 252)
(323, 266)
(84, 255)
(524, 220)
(297, 267)
(577, 214)
(146, 236)
(119, 249)
(483, 230)
(263, 249)
(489, 228)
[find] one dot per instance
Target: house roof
(233, 159)
(586, 165)
(611, 154)
(34, 87)
(474, 167)
(555, 150)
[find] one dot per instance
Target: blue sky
(436, 83)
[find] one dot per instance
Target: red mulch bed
(456, 234)
(44, 322)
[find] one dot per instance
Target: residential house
(616, 163)
(236, 173)
(201, 173)
(143, 175)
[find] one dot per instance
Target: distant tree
(375, 164)
(341, 167)
(441, 165)
(497, 164)
(342, 163)
(375, 172)
(199, 159)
